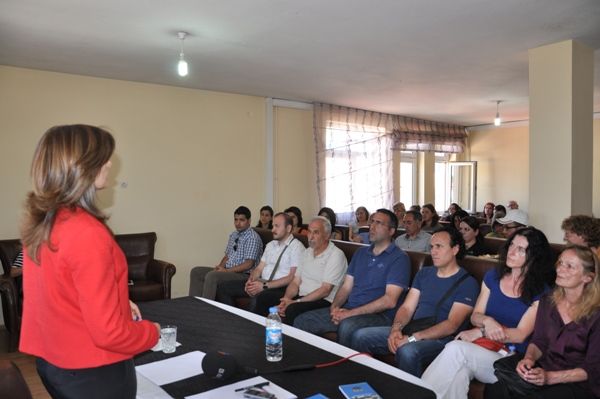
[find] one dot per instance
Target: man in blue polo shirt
(445, 294)
(369, 296)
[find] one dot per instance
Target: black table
(205, 327)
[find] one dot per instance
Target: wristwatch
(412, 338)
(265, 286)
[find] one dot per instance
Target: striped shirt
(243, 245)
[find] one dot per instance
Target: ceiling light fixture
(182, 65)
(497, 120)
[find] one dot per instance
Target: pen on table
(260, 385)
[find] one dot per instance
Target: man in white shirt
(272, 275)
(320, 273)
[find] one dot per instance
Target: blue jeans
(411, 357)
(319, 322)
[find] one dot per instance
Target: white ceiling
(446, 60)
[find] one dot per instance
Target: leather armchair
(150, 279)
(10, 291)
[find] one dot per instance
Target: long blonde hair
(65, 165)
(589, 302)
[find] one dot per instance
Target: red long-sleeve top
(76, 311)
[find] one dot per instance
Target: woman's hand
(135, 311)
(469, 335)
(494, 330)
(533, 375)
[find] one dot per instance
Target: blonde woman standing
(77, 317)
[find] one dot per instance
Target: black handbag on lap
(506, 371)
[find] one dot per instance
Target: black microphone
(223, 366)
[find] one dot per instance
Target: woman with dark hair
(362, 216)
(266, 218)
(296, 214)
(330, 215)
(499, 211)
(505, 312)
(77, 317)
(452, 209)
(488, 212)
(457, 218)
(430, 219)
(362, 220)
(469, 228)
(562, 359)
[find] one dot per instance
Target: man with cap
(514, 220)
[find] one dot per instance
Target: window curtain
(354, 153)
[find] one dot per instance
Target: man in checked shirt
(244, 250)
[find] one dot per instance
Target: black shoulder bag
(425, 322)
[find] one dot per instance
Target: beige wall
(503, 165)
(295, 176)
(189, 157)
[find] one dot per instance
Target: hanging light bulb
(182, 65)
(497, 120)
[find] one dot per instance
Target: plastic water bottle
(273, 336)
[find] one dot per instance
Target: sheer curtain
(354, 153)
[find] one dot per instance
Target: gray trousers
(205, 280)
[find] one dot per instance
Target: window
(408, 180)
(442, 194)
(357, 163)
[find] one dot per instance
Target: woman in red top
(77, 317)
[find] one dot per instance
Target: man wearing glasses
(244, 250)
(369, 295)
(514, 220)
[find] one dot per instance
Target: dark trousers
(228, 291)
(296, 309)
(268, 298)
(115, 380)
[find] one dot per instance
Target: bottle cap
(273, 309)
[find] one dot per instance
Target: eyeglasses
(235, 244)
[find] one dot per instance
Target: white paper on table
(146, 389)
(173, 369)
(228, 391)
(159, 346)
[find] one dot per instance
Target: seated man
(268, 281)
(319, 275)
(414, 239)
(242, 253)
(445, 292)
(514, 220)
(376, 277)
